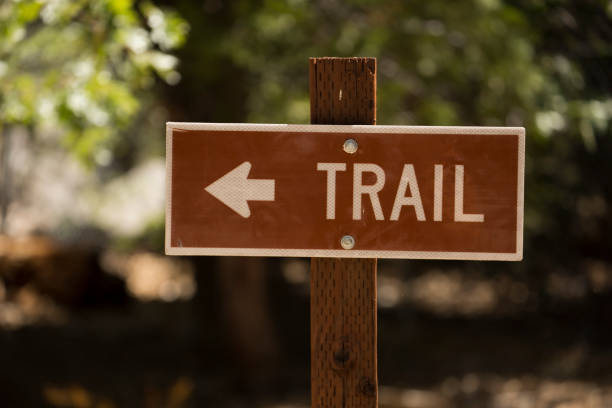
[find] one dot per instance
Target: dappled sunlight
(296, 271)
(452, 292)
(28, 307)
(391, 289)
(499, 392)
(94, 315)
(176, 395)
(149, 276)
(470, 292)
(449, 291)
(73, 396)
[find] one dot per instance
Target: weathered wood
(356, 77)
(343, 340)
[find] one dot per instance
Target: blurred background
(92, 314)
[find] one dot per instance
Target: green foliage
(540, 64)
(467, 63)
(80, 66)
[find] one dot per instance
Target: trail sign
(345, 191)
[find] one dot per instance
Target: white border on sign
(343, 253)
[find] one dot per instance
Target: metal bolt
(350, 146)
(347, 242)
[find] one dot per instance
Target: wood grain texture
(343, 338)
(356, 77)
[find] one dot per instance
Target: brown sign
(345, 191)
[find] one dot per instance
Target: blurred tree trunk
(5, 181)
(251, 333)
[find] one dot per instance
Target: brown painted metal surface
(297, 222)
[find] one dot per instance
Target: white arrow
(234, 189)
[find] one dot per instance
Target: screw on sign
(344, 192)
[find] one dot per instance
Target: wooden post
(343, 333)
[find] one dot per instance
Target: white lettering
(331, 169)
(408, 179)
(459, 215)
(372, 190)
(438, 183)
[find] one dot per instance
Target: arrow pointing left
(234, 189)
